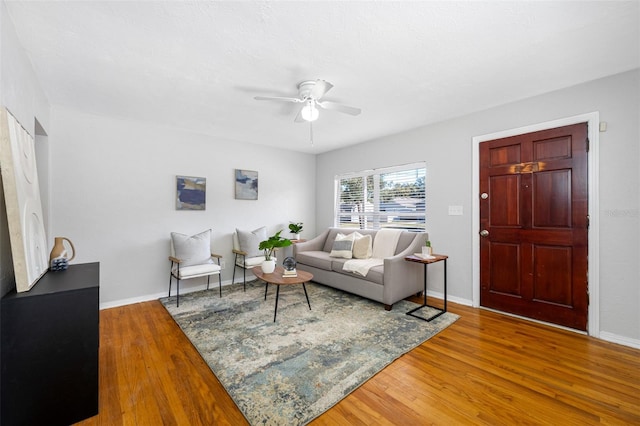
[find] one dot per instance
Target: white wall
(113, 195)
(21, 94)
(447, 148)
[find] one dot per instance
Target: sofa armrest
(314, 244)
(402, 278)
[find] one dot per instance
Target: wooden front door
(534, 225)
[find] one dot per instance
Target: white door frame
(593, 120)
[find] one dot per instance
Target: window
(393, 197)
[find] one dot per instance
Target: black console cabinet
(49, 349)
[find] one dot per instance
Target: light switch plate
(455, 210)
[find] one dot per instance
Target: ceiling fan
(310, 95)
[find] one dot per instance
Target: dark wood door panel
(552, 199)
(505, 269)
(504, 155)
(502, 210)
(552, 275)
(552, 149)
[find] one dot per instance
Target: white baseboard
(156, 296)
(621, 340)
(458, 300)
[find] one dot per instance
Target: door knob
(484, 195)
(484, 233)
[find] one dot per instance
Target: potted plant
(296, 229)
(268, 246)
(426, 250)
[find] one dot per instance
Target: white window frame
(372, 219)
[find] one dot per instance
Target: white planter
(296, 236)
(426, 251)
(268, 266)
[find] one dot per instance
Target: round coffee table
(277, 279)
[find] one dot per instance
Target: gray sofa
(395, 280)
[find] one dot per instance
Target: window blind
(391, 197)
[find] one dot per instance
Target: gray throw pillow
(342, 246)
(194, 249)
(250, 240)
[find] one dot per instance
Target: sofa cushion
(318, 259)
(343, 246)
(375, 274)
(405, 240)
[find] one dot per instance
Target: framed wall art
(23, 203)
(246, 185)
(191, 193)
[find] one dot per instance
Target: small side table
(277, 279)
(425, 262)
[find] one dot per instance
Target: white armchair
(191, 257)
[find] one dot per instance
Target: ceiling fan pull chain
(311, 131)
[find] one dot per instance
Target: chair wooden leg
(235, 266)
(178, 287)
(244, 272)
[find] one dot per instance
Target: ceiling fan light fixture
(309, 112)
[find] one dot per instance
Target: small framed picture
(191, 193)
(246, 185)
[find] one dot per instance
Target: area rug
(293, 370)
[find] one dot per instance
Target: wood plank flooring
(486, 368)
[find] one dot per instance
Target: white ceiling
(198, 64)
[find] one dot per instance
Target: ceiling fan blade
(320, 89)
(276, 98)
(339, 107)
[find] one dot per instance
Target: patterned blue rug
(293, 370)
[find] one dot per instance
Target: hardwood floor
(486, 368)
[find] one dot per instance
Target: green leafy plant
(275, 241)
(427, 243)
(295, 228)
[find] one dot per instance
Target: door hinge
(588, 221)
(587, 143)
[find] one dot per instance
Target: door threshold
(550, 324)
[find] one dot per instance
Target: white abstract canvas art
(23, 204)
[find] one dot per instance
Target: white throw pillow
(342, 246)
(194, 249)
(362, 246)
(250, 240)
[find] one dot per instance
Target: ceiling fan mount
(305, 88)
